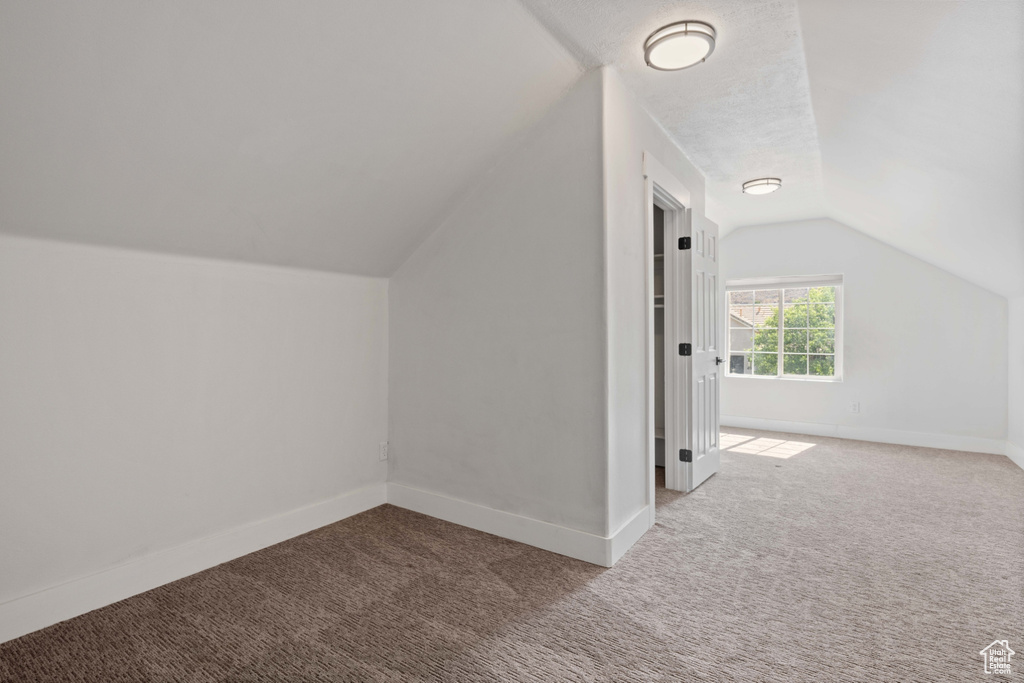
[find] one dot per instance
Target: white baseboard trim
(1015, 453)
(628, 534)
(951, 442)
(51, 605)
(599, 550)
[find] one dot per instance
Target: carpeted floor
(810, 560)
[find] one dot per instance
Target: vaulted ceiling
(336, 135)
(318, 134)
(920, 112)
(901, 118)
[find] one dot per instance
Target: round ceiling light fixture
(680, 45)
(762, 185)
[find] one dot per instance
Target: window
(786, 327)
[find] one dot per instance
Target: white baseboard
(599, 550)
(1015, 453)
(51, 605)
(628, 534)
(952, 442)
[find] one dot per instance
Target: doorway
(684, 336)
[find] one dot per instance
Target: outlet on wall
(855, 406)
(383, 450)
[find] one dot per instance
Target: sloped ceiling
(901, 118)
(335, 135)
(920, 112)
(317, 134)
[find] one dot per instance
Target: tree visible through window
(801, 344)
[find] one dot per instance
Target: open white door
(707, 355)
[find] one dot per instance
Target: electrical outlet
(855, 406)
(383, 450)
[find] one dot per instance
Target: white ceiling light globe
(762, 186)
(678, 46)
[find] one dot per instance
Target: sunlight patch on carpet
(774, 448)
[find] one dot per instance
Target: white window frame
(789, 282)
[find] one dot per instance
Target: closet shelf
(659, 433)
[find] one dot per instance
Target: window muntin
(802, 342)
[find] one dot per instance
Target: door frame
(661, 187)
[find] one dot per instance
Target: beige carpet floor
(804, 559)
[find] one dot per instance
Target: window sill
(786, 378)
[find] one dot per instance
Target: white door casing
(661, 187)
(692, 315)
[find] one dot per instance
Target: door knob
(719, 361)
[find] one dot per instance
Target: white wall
(1015, 428)
(629, 131)
(148, 401)
(925, 352)
(497, 336)
(518, 335)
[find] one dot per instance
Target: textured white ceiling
(745, 113)
(318, 134)
(901, 118)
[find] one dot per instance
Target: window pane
(741, 340)
(766, 363)
(822, 315)
(796, 315)
(796, 295)
(741, 316)
(738, 298)
(822, 341)
(823, 366)
(740, 364)
(766, 296)
(794, 364)
(823, 294)
(767, 339)
(766, 315)
(795, 341)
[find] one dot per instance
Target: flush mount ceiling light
(679, 45)
(762, 185)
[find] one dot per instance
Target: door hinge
(685, 350)
(684, 242)
(685, 455)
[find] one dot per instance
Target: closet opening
(658, 303)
